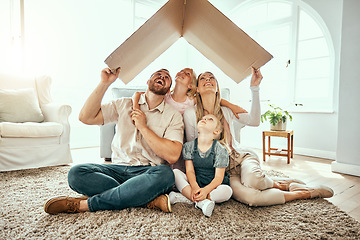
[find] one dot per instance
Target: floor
(313, 171)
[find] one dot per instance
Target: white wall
(69, 40)
(69, 35)
(315, 134)
(348, 142)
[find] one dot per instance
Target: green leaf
(275, 115)
(273, 121)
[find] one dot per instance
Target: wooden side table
(289, 134)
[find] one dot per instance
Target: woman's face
(184, 76)
(207, 82)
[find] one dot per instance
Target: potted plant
(277, 117)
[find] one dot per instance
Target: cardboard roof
(203, 26)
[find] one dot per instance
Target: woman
(249, 183)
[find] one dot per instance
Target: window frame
(326, 105)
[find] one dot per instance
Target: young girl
(184, 92)
(206, 182)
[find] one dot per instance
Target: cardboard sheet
(203, 26)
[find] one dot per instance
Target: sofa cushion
(126, 92)
(19, 105)
(30, 129)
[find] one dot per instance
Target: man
(145, 140)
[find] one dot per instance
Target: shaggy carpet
(23, 194)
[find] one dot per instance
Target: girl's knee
(221, 194)
(178, 173)
(228, 192)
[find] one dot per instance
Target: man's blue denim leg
(119, 187)
(91, 179)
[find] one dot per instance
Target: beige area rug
(23, 194)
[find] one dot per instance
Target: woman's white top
(247, 119)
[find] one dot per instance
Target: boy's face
(208, 123)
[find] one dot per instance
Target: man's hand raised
(108, 77)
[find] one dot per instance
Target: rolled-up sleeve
(175, 130)
(110, 111)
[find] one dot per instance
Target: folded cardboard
(203, 26)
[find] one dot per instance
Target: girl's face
(207, 82)
(208, 123)
(184, 76)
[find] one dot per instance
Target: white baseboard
(315, 153)
(305, 151)
(345, 168)
(84, 136)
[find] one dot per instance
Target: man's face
(160, 82)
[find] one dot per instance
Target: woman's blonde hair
(200, 111)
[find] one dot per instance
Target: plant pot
(280, 126)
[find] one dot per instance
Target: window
(11, 36)
(300, 77)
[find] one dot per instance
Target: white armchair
(34, 131)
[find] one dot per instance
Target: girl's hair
(200, 111)
(219, 126)
(191, 93)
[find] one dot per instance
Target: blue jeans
(111, 186)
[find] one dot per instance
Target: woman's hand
(256, 77)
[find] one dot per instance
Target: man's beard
(157, 89)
